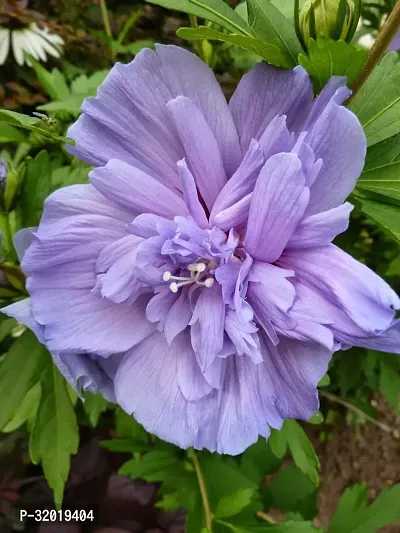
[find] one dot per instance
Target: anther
(174, 287)
(167, 276)
(208, 283)
(197, 267)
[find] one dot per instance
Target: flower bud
(331, 18)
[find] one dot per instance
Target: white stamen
(167, 275)
(196, 275)
(197, 267)
(174, 287)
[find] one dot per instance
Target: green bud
(11, 189)
(331, 18)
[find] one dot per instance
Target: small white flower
(33, 40)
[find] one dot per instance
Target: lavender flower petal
(201, 147)
(321, 228)
(136, 191)
(278, 204)
(367, 300)
(267, 92)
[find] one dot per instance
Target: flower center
(198, 273)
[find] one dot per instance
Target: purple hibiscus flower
(194, 280)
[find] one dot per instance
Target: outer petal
(81, 371)
(226, 420)
(77, 320)
(351, 286)
(387, 341)
(77, 223)
(278, 204)
(84, 372)
(128, 119)
(147, 386)
(336, 136)
(135, 191)
(266, 92)
(78, 200)
(22, 312)
(201, 148)
(296, 369)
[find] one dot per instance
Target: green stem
(266, 517)
(106, 24)
(198, 44)
(128, 25)
(203, 493)
(385, 37)
(7, 237)
(336, 399)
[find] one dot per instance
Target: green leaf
(302, 450)
(287, 527)
(353, 516)
(10, 134)
(325, 381)
(328, 58)
(213, 10)
(377, 104)
(72, 105)
(352, 500)
(69, 175)
(286, 7)
(278, 442)
(20, 370)
(153, 466)
(132, 48)
(269, 52)
(259, 460)
(223, 476)
(52, 82)
(55, 435)
(128, 428)
(94, 405)
(272, 27)
(317, 418)
(36, 186)
(83, 85)
(394, 267)
(387, 216)
(26, 410)
(6, 325)
(381, 174)
(123, 446)
(232, 503)
(389, 383)
(292, 491)
(30, 123)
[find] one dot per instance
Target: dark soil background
(358, 454)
